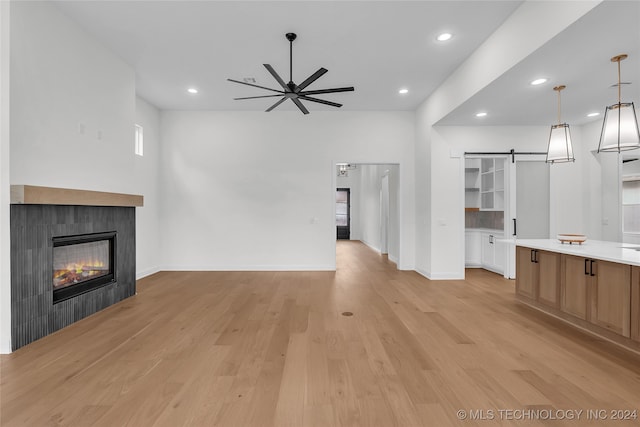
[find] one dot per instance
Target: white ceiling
(376, 46)
(580, 58)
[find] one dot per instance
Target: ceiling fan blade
(312, 78)
(334, 90)
(320, 101)
(276, 104)
(276, 76)
(300, 106)
(252, 85)
(255, 97)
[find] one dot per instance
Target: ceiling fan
(292, 91)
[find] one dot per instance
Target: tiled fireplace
(68, 260)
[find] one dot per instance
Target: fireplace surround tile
(34, 315)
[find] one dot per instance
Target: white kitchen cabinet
(472, 249)
(493, 252)
(492, 184)
(472, 184)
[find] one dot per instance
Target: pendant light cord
(559, 89)
(619, 85)
(559, 121)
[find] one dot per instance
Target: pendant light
(620, 127)
(560, 149)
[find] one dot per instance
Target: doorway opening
(367, 206)
(505, 198)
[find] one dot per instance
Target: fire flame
(78, 272)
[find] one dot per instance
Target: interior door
(529, 206)
(532, 200)
(343, 213)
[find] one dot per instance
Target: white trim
(447, 276)
(148, 272)
(248, 268)
(422, 273)
(440, 276)
(371, 246)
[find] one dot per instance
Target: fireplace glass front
(82, 263)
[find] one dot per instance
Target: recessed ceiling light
(192, 90)
(403, 91)
(537, 82)
(481, 114)
(444, 37)
(593, 114)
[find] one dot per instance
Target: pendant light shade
(620, 127)
(560, 149)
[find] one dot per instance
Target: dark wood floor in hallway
(274, 349)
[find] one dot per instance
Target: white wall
(254, 190)
(577, 189)
(370, 185)
(5, 246)
(370, 219)
(438, 246)
(147, 181)
(73, 109)
(72, 105)
(451, 142)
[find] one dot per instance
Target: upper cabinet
(492, 186)
(472, 184)
(484, 184)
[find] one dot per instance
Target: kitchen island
(594, 286)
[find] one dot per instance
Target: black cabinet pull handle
(591, 273)
(514, 227)
(533, 255)
(586, 266)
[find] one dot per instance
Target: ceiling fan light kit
(620, 126)
(560, 149)
(292, 91)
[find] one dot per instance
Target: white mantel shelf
(34, 195)
(623, 253)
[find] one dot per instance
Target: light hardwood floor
(273, 349)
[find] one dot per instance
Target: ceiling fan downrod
(291, 37)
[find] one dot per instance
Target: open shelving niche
(472, 185)
(492, 197)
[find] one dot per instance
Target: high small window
(139, 140)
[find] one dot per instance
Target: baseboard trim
(440, 276)
(148, 272)
(370, 246)
(5, 348)
(249, 268)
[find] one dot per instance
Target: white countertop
(484, 230)
(622, 253)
